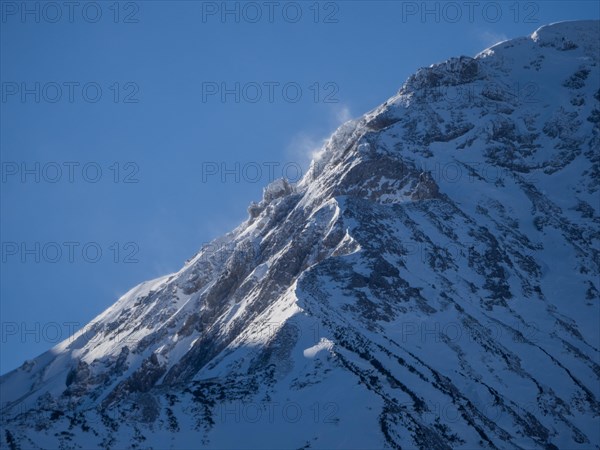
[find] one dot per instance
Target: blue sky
(142, 130)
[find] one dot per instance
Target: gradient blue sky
(364, 50)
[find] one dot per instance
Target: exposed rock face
(426, 188)
(432, 282)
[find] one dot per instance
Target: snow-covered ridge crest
(569, 35)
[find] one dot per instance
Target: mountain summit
(432, 282)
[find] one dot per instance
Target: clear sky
(142, 130)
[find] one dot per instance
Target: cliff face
(432, 282)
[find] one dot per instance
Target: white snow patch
(324, 344)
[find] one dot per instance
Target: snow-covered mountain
(432, 282)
